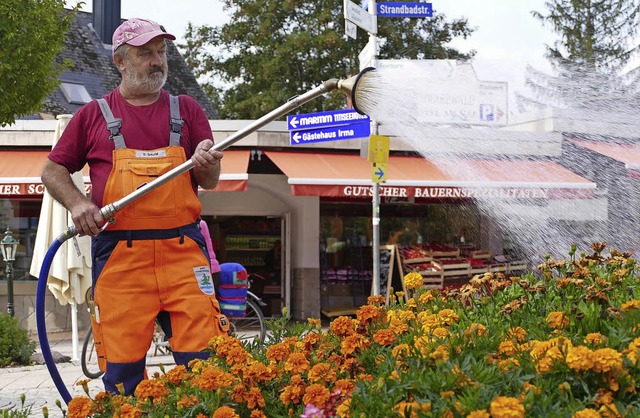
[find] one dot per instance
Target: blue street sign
(324, 119)
(404, 9)
(379, 172)
(333, 133)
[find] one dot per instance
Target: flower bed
(563, 342)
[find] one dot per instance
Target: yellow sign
(379, 172)
(378, 149)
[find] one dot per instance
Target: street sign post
(378, 149)
(404, 9)
(356, 14)
(325, 119)
(378, 172)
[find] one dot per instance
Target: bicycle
(251, 327)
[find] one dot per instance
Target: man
(151, 260)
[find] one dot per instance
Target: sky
(507, 37)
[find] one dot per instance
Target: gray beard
(150, 83)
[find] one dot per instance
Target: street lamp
(9, 245)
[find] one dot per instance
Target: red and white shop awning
(20, 172)
(348, 175)
(628, 154)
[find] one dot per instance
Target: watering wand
(347, 86)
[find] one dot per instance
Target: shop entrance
(260, 244)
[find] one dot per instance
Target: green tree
(32, 35)
(592, 56)
(273, 50)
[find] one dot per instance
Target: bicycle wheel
(250, 327)
(89, 358)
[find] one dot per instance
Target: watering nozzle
(356, 87)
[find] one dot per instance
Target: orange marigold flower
(237, 393)
(440, 332)
(225, 412)
(344, 409)
(440, 353)
(209, 379)
(128, 411)
(80, 407)
(587, 413)
(297, 363)
(310, 340)
(154, 389)
(384, 337)
(367, 313)
(341, 326)
(507, 348)
(557, 320)
(506, 407)
(632, 304)
(475, 328)
(606, 359)
(256, 413)
(413, 409)
(398, 326)
(176, 375)
(354, 342)
(294, 391)
(317, 395)
(345, 386)
(187, 401)
(278, 352)
(253, 397)
(322, 372)
(426, 297)
(579, 358)
(480, 413)
(375, 300)
(518, 334)
(609, 411)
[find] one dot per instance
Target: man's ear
(119, 61)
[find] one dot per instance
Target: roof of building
(91, 65)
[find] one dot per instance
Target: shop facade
(300, 218)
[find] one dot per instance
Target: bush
(15, 346)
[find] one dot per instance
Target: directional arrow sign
(378, 173)
(356, 14)
(404, 9)
(325, 119)
(334, 133)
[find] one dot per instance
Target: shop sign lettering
(447, 192)
(29, 189)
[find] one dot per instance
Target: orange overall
(151, 263)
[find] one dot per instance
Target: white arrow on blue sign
(325, 119)
(404, 9)
(333, 133)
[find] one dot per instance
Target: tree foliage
(592, 56)
(32, 34)
(273, 50)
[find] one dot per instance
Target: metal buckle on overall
(114, 127)
(176, 125)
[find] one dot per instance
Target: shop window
(21, 216)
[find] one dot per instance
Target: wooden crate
(481, 255)
(460, 267)
(517, 266)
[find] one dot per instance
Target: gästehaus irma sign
(451, 93)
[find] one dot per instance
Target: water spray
(350, 87)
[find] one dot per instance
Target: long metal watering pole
(110, 209)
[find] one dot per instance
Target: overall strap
(113, 124)
(175, 122)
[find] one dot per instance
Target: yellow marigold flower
(398, 326)
(294, 391)
(609, 411)
(412, 408)
(595, 338)
(579, 358)
(604, 398)
(225, 412)
(80, 407)
(606, 359)
(475, 328)
(153, 389)
(400, 351)
(440, 353)
(129, 411)
(447, 394)
(448, 316)
(187, 401)
(384, 337)
(322, 372)
(632, 304)
(297, 363)
(341, 326)
(344, 409)
(480, 413)
(441, 332)
(634, 351)
(508, 364)
(557, 320)
(506, 407)
(507, 348)
(426, 297)
(314, 322)
(587, 413)
(317, 395)
(413, 280)
(518, 334)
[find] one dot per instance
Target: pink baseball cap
(137, 32)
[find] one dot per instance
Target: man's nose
(156, 59)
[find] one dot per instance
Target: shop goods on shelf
(414, 255)
(440, 250)
(453, 267)
(478, 266)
